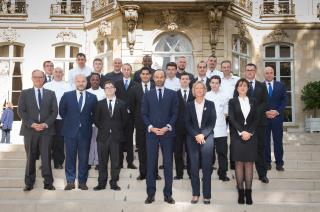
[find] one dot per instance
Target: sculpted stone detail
(66, 35)
(278, 35)
(10, 35)
(104, 29)
(215, 16)
(172, 19)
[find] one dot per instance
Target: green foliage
(311, 96)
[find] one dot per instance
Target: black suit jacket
(110, 125)
(207, 123)
(180, 123)
(207, 83)
(260, 94)
(122, 93)
(29, 112)
(136, 95)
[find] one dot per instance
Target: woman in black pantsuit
(243, 117)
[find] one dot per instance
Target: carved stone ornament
(104, 29)
(278, 35)
(10, 35)
(171, 19)
(131, 18)
(66, 35)
(242, 29)
(215, 16)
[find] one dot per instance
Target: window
(280, 57)
(169, 47)
(104, 52)
(277, 7)
(11, 60)
(65, 55)
(240, 55)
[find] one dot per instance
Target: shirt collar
(78, 92)
(113, 99)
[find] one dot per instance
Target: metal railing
(245, 4)
(75, 8)
(280, 9)
(19, 7)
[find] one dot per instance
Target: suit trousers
(107, 149)
(201, 155)
(77, 146)
(180, 148)
(58, 144)
(166, 145)
(142, 151)
(33, 143)
(93, 154)
(260, 162)
(127, 145)
(275, 126)
(221, 147)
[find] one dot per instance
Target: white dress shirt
(100, 94)
(199, 111)
(228, 85)
(83, 97)
(253, 83)
(86, 71)
(215, 72)
(204, 79)
(162, 91)
(173, 84)
(144, 87)
(124, 81)
(220, 100)
(267, 84)
(59, 88)
(113, 102)
(36, 93)
(187, 92)
(245, 107)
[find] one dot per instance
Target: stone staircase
(295, 189)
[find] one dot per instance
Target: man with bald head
(116, 74)
(76, 110)
(38, 110)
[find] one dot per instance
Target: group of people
(92, 118)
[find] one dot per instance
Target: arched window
(11, 60)
(280, 57)
(105, 52)
(240, 55)
(170, 46)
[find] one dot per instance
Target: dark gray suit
(30, 113)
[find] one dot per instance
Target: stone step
(275, 184)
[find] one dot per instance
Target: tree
(311, 96)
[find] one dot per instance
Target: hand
(164, 130)
(37, 127)
(158, 131)
(245, 136)
(200, 139)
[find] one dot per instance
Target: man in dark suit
(202, 70)
(276, 105)
(180, 147)
(159, 111)
(123, 88)
(182, 63)
(76, 109)
(38, 110)
(258, 91)
(110, 116)
(146, 62)
(97, 68)
(48, 70)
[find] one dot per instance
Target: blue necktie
(80, 101)
(269, 89)
(250, 89)
(126, 84)
(160, 95)
(39, 98)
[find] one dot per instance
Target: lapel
(33, 96)
(238, 108)
(106, 107)
(194, 113)
(44, 97)
(275, 88)
(87, 99)
(190, 96)
(204, 113)
(153, 93)
(75, 100)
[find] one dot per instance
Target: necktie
(39, 97)
(126, 84)
(250, 88)
(80, 101)
(185, 95)
(269, 89)
(145, 87)
(49, 78)
(160, 95)
(110, 107)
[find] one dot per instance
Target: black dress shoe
(89, 167)
(58, 166)
(232, 165)
(83, 186)
(140, 177)
(264, 179)
(158, 177)
(27, 188)
(269, 167)
(149, 200)
(169, 200)
(115, 187)
(194, 201)
(214, 168)
(131, 166)
(280, 168)
(99, 187)
(206, 201)
(96, 168)
(69, 186)
(178, 178)
(49, 187)
(224, 178)
(161, 167)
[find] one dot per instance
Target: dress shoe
(83, 186)
(89, 167)
(115, 187)
(131, 166)
(169, 200)
(214, 168)
(224, 178)
(269, 167)
(195, 200)
(178, 178)
(140, 177)
(58, 166)
(161, 167)
(264, 179)
(158, 177)
(27, 188)
(99, 187)
(240, 196)
(49, 187)
(96, 168)
(248, 193)
(121, 166)
(69, 186)
(206, 201)
(149, 200)
(232, 165)
(280, 168)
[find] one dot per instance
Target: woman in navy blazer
(244, 118)
(200, 121)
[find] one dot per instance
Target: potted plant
(311, 98)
